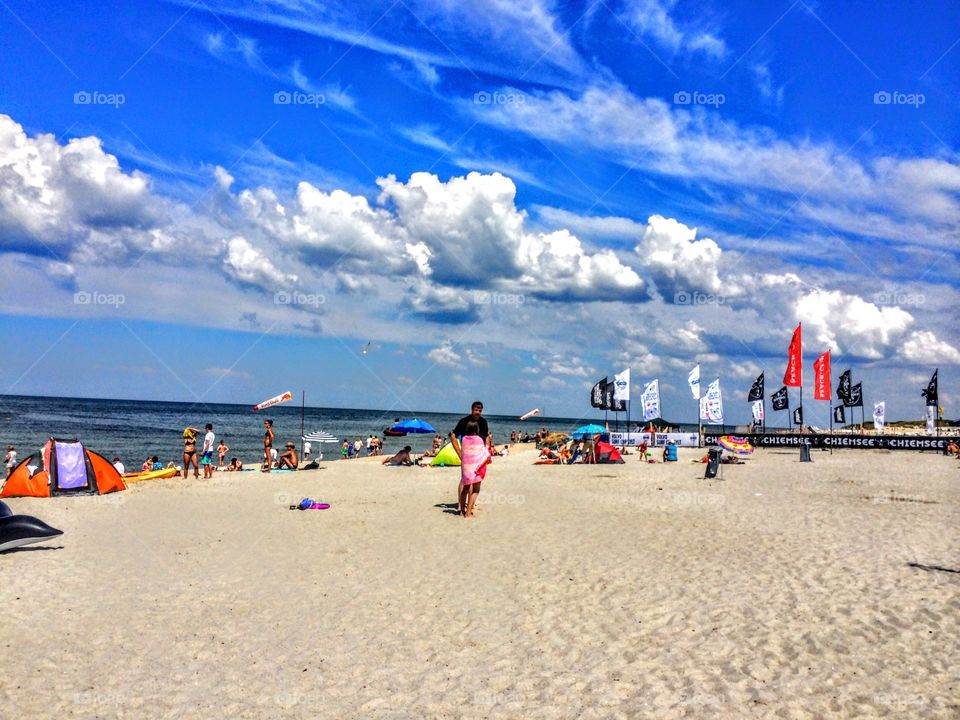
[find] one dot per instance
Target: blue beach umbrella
(414, 425)
(589, 430)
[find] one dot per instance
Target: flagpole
(831, 425)
(628, 423)
(303, 400)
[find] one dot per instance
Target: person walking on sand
(206, 457)
(267, 445)
(190, 451)
(471, 442)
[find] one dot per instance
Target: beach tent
(607, 453)
(71, 469)
(447, 456)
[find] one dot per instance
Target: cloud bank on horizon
(527, 211)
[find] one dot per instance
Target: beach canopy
(70, 469)
(607, 453)
(589, 430)
(414, 425)
(737, 445)
(320, 436)
(446, 457)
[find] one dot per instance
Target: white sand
(629, 591)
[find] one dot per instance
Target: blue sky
(224, 200)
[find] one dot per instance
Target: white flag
(651, 400)
(693, 379)
(757, 408)
(621, 385)
(931, 419)
(879, 411)
(711, 404)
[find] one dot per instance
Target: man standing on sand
(206, 456)
(475, 427)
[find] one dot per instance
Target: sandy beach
(786, 590)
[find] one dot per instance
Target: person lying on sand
(288, 458)
(401, 458)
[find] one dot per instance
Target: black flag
(608, 402)
(856, 396)
(843, 389)
(931, 392)
(756, 391)
(839, 416)
(617, 405)
(798, 416)
(597, 396)
(780, 399)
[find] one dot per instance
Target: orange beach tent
(69, 469)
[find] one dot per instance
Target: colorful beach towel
(473, 459)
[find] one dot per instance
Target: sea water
(135, 429)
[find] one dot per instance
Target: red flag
(821, 377)
(793, 375)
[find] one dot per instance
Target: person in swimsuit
(288, 458)
(267, 445)
(190, 451)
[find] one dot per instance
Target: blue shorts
(207, 458)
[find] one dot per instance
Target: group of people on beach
(355, 449)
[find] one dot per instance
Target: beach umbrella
(527, 416)
(735, 444)
(320, 436)
(590, 430)
(414, 425)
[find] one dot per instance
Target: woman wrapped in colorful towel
(471, 440)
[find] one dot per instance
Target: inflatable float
(19, 530)
(150, 475)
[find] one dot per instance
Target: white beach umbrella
(320, 436)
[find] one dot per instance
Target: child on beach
(222, 451)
